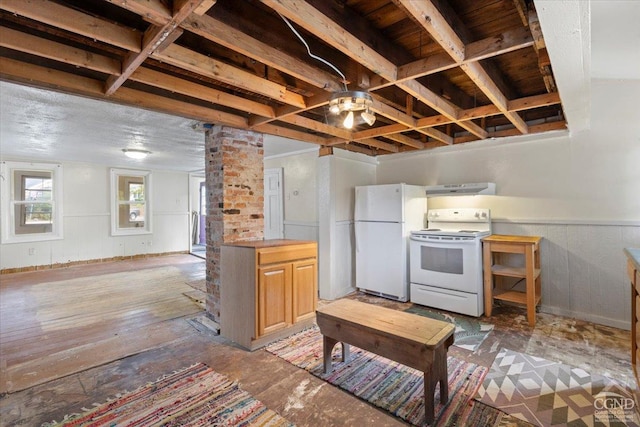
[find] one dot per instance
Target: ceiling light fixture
(134, 153)
(350, 101)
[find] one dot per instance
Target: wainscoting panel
(583, 268)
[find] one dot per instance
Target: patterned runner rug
(469, 332)
(548, 393)
(387, 384)
(195, 396)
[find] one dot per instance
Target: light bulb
(347, 103)
(334, 109)
(348, 121)
(368, 117)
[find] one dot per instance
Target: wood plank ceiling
(440, 72)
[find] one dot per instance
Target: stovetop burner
(457, 222)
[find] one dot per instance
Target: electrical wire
(316, 57)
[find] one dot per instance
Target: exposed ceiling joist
(238, 63)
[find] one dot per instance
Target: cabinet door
(274, 298)
(305, 289)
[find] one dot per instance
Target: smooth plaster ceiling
(44, 125)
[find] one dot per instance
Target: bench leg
(345, 352)
(437, 374)
(327, 348)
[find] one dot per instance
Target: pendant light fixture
(349, 101)
(352, 101)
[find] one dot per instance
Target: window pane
(33, 218)
(136, 192)
(37, 188)
(130, 207)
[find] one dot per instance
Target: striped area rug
(389, 385)
(195, 396)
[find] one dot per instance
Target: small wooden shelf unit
(529, 247)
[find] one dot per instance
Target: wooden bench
(416, 341)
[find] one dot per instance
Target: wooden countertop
(505, 238)
(634, 255)
(259, 244)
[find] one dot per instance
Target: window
(31, 201)
(130, 204)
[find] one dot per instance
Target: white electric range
(446, 260)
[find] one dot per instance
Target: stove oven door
(453, 263)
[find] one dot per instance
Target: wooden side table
(529, 246)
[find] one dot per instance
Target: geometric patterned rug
(469, 333)
(547, 393)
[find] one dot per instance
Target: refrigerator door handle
(357, 235)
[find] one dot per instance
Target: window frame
(9, 202)
(115, 202)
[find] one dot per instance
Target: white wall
(86, 221)
(581, 192)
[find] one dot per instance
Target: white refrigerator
(384, 217)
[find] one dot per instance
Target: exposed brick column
(235, 197)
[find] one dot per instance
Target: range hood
(461, 189)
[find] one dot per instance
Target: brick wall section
(235, 198)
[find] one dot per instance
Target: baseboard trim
(85, 262)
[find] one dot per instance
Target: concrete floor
(297, 395)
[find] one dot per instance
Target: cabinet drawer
(286, 253)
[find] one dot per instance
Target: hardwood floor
(76, 336)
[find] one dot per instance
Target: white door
(273, 209)
(381, 259)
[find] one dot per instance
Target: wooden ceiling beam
(33, 45)
(316, 101)
(290, 133)
(440, 105)
(175, 84)
(44, 48)
(405, 140)
(508, 41)
(317, 23)
(356, 149)
(156, 12)
(198, 63)
(204, 7)
(71, 20)
(439, 29)
(372, 142)
(486, 84)
(69, 83)
(154, 37)
(539, 128)
(430, 18)
(317, 126)
(225, 35)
